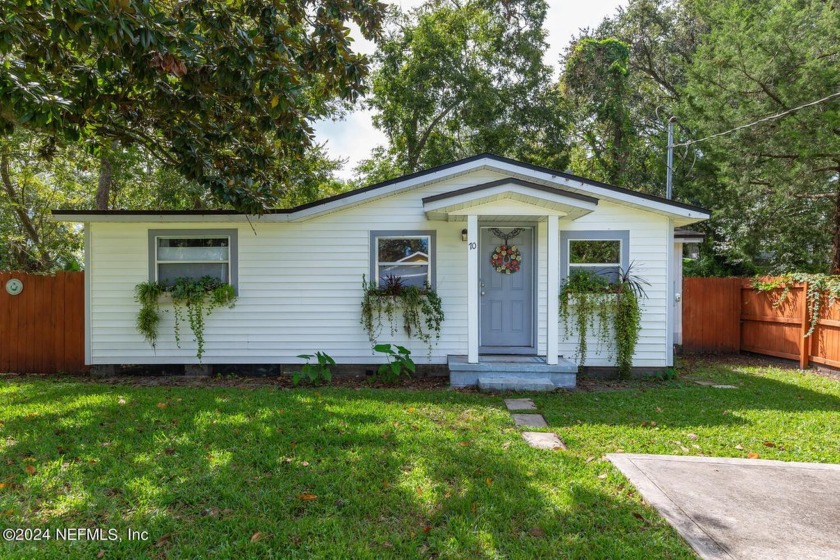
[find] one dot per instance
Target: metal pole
(670, 173)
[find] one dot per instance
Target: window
(603, 253)
(408, 255)
(192, 254)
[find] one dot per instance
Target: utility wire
(759, 121)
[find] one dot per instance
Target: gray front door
(506, 299)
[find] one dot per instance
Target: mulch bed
(687, 365)
(281, 382)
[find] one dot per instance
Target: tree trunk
(103, 190)
(835, 245)
(45, 261)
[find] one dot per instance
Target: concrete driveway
(743, 508)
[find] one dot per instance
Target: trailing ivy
(822, 289)
(195, 297)
(421, 308)
(615, 305)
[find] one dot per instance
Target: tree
(595, 77)
(453, 79)
(625, 79)
(30, 187)
(781, 178)
(222, 92)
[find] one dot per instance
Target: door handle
(482, 292)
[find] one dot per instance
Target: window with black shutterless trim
(409, 255)
(193, 254)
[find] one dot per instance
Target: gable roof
(500, 182)
(508, 198)
(557, 180)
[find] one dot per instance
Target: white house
(298, 272)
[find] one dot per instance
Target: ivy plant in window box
(420, 307)
(195, 297)
(588, 296)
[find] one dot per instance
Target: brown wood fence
(711, 314)
(728, 315)
(42, 328)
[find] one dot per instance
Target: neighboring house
(298, 272)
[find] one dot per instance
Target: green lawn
(377, 473)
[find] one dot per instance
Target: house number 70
(473, 246)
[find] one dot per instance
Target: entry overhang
(508, 198)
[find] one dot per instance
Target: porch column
(472, 289)
(553, 263)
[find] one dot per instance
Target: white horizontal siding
(648, 253)
(300, 285)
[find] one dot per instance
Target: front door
(506, 290)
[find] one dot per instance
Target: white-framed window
(192, 254)
(602, 253)
(408, 255)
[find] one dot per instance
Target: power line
(759, 121)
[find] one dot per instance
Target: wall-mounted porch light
(464, 234)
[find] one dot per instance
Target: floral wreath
(506, 259)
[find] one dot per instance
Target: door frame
(513, 350)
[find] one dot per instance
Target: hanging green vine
(822, 288)
(195, 297)
(615, 305)
(421, 308)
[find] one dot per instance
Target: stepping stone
(520, 404)
(543, 440)
(529, 420)
(714, 385)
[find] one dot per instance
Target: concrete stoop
(512, 373)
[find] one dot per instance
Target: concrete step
(518, 383)
(510, 365)
(510, 373)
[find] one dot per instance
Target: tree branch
(20, 212)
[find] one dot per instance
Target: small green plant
(399, 362)
(315, 373)
(669, 374)
(422, 310)
(198, 297)
(588, 296)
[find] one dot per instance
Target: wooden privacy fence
(42, 328)
(728, 315)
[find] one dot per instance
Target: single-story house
(298, 272)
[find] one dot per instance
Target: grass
(346, 473)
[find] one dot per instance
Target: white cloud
(355, 137)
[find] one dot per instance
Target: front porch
(512, 373)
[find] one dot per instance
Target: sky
(354, 137)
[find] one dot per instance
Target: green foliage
(197, 297)
(669, 374)
(627, 323)
(589, 294)
(399, 362)
(31, 187)
(147, 294)
(615, 307)
(454, 79)
(596, 81)
(775, 197)
(222, 92)
(421, 309)
(315, 373)
(621, 99)
(823, 289)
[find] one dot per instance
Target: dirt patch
(281, 382)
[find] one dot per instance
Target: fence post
(804, 353)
